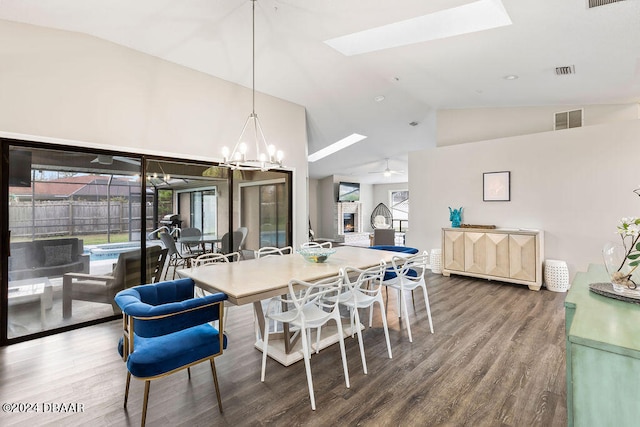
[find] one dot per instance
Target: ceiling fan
(388, 172)
(106, 159)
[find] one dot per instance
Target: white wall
(89, 92)
(480, 124)
(314, 212)
(326, 201)
(574, 184)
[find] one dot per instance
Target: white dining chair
(210, 258)
(304, 245)
(363, 290)
(407, 275)
(262, 253)
(272, 250)
(308, 307)
(213, 258)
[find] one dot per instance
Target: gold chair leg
(215, 382)
(144, 403)
(126, 388)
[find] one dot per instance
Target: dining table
(202, 241)
(254, 280)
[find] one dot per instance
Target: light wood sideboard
(508, 255)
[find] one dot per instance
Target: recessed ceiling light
(510, 77)
(379, 98)
(477, 16)
(335, 147)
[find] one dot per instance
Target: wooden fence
(72, 218)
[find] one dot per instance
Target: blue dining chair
(167, 330)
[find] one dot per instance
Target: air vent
(596, 3)
(568, 119)
(563, 71)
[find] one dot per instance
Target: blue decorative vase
(455, 216)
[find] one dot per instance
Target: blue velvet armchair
(166, 330)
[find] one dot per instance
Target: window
(399, 202)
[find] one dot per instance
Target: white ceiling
(294, 63)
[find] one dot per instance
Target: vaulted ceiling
(341, 93)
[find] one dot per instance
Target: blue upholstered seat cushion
(171, 328)
(403, 249)
(389, 274)
(159, 355)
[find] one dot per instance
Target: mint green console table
(603, 356)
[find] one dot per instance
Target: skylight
(335, 147)
(477, 16)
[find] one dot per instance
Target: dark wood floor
(496, 359)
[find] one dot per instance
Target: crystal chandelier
(251, 151)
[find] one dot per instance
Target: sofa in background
(47, 258)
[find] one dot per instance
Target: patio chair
(103, 288)
(176, 259)
(231, 242)
(244, 231)
(192, 248)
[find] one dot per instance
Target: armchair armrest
(133, 307)
(86, 262)
(87, 276)
(155, 320)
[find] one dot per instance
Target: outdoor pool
(111, 250)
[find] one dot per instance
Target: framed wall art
(496, 186)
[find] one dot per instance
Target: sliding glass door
(266, 210)
(78, 225)
(204, 210)
(70, 215)
(273, 215)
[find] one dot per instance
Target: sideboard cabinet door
(497, 260)
(475, 252)
(453, 250)
(522, 257)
